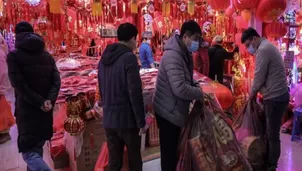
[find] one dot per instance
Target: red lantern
(270, 10)
(219, 5)
(275, 30)
(74, 124)
(246, 15)
(245, 4)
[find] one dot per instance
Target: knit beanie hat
(22, 27)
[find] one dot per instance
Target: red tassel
(127, 7)
(120, 12)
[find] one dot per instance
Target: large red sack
(249, 126)
(208, 142)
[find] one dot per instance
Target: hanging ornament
(191, 5)
(166, 8)
(270, 10)
(276, 30)
(97, 8)
(113, 3)
(134, 7)
(151, 9)
(182, 7)
(219, 5)
(246, 14)
(55, 6)
(33, 2)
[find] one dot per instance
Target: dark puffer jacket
(121, 88)
(35, 78)
(175, 87)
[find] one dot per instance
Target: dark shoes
(4, 138)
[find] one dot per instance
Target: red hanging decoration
(219, 5)
(275, 30)
(270, 10)
(245, 4)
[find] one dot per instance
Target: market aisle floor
(11, 160)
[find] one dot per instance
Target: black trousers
(169, 135)
(274, 110)
(117, 139)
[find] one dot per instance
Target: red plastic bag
(103, 159)
(208, 142)
(7, 119)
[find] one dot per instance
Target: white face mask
(251, 50)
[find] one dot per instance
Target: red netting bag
(249, 126)
(208, 142)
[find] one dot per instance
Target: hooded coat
(175, 87)
(121, 88)
(35, 78)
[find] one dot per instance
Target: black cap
(23, 26)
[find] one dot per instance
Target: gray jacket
(270, 76)
(175, 87)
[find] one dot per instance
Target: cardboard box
(93, 138)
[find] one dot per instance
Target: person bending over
(270, 80)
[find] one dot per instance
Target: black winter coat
(35, 78)
(217, 55)
(121, 88)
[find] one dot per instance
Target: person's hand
(143, 130)
(47, 106)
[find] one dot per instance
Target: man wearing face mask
(201, 58)
(217, 56)
(175, 89)
(145, 54)
(270, 80)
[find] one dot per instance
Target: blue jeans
(34, 158)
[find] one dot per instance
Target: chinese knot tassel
(55, 6)
(166, 8)
(97, 8)
(134, 7)
(191, 5)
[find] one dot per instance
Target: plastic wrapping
(250, 121)
(250, 132)
(208, 142)
(68, 63)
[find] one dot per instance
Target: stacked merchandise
(79, 79)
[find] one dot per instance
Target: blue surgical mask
(194, 46)
(251, 50)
